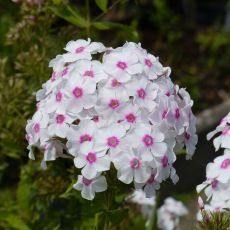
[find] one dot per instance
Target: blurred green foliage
(31, 35)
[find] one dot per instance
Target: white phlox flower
(112, 108)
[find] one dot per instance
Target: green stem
(153, 221)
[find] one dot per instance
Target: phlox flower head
(216, 187)
(112, 106)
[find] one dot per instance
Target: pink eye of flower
(164, 161)
(78, 92)
(177, 113)
(79, 49)
(148, 140)
(141, 93)
(167, 94)
(214, 183)
(95, 118)
(148, 63)
(85, 137)
(88, 73)
(60, 119)
(65, 72)
(135, 163)
(58, 96)
(91, 157)
(37, 128)
(112, 142)
(86, 182)
(151, 179)
(131, 118)
(122, 65)
(225, 164)
(187, 136)
(114, 103)
(226, 131)
(164, 114)
(115, 83)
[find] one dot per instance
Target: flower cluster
(121, 108)
(168, 215)
(217, 185)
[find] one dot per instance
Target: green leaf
(70, 15)
(16, 223)
(105, 25)
(118, 215)
(102, 4)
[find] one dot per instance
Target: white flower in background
(118, 107)
(220, 168)
(217, 185)
(223, 140)
(88, 187)
(146, 204)
(168, 215)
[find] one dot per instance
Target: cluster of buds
(217, 185)
(106, 106)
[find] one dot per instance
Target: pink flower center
(91, 157)
(164, 161)
(86, 182)
(141, 93)
(148, 63)
(88, 73)
(167, 93)
(122, 65)
(131, 118)
(112, 142)
(85, 137)
(53, 77)
(60, 118)
(148, 140)
(164, 114)
(226, 131)
(58, 96)
(214, 183)
(187, 136)
(225, 164)
(78, 92)
(37, 128)
(79, 49)
(177, 114)
(115, 83)
(151, 179)
(114, 103)
(95, 118)
(135, 163)
(64, 72)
